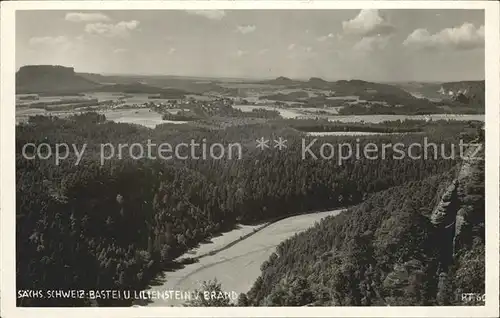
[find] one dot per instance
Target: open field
(306, 113)
(143, 117)
(250, 86)
(237, 267)
(22, 114)
(152, 119)
(350, 133)
(140, 116)
(382, 118)
(314, 111)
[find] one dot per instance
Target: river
(237, 267)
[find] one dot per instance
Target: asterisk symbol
(280, 143)
(262, 143)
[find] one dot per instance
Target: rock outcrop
(445, 213)
(459, 216)
(470, 93)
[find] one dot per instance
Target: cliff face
(463, 197)
(459, 223)
(464, 87)
(50, 79)
(444, 214)
(465, 92)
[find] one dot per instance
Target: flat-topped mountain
(60, 79)
(50, 78)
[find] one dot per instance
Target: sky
(376, 45)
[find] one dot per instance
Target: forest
(115, 226)
(388, 250)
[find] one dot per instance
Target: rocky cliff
(457, 236)
(465, 92)
(459, 223)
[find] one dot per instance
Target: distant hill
(102, 79)
(282, 81)
(291, 97)
(363, 89)
(51, 78)
(396, 99)
(471, 93)
(466, 87)
(187, 84)
(446, 90)
(411, 97)
(140, 88)
(368, 90)
(318, 83)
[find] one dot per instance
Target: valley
(227, 266)
(344, 101)
(264, 161)
(180, 224)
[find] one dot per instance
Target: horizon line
(255, 78)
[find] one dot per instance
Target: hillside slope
(470, 93)
(140, 88)
(446, 90)
(382, 98)
(417, 244)
(363, 89)
(467, 88)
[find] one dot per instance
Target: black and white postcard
(244, 159)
